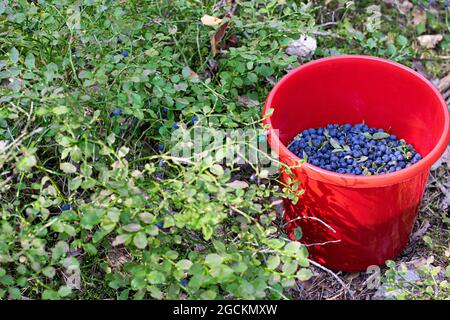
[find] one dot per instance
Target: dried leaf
(404, 7)
(208, 20)
(429, 41)
(245, 101)
(444, 84)
(418, 16)
(443, 160)
(218, 36)
(237, 184)
(420, 68)
(303, 47)
(421, 231)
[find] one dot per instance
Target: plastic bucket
(351, 222)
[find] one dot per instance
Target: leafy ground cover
(92, 203)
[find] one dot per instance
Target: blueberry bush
(92, 203)
(90, 96)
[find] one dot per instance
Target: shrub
(89, 98)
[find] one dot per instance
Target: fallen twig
(318, 265)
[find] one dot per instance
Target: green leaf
(67, 167)
(213, 260)
(184, 264)
(269, 112)
(335, 144)
(273, 262)
(15, 293)
(380, 135)
(156, 277)
(121, 239)
(7, 280)
(30, 61)
(59, 250)
(123, 151)
(298, 233)
(402, 40)
(304, 274)
(14, 55)
(64, 291)
(132, 227)
(363, 158)
(217, 170)
(275, 244)
(90, 249)
(292, 247)
(26, 163)
(140, 240)
(289, 267)
(49, 294)
(60, 110)
(90, 219)
(75, 183)
(49, 272)
(208, 295)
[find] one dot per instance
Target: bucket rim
(349, 180)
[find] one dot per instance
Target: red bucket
(351, 222)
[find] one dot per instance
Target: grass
(142, 222)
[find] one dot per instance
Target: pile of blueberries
(356, 149)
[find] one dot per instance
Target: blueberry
(184, 282)
(66, 207)
(161, 147)
(73, 50)
(357, 154)
(194, 119)
(161, 163)
(117, 112)
(175, 125)
(160, 224)
(124, 53)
